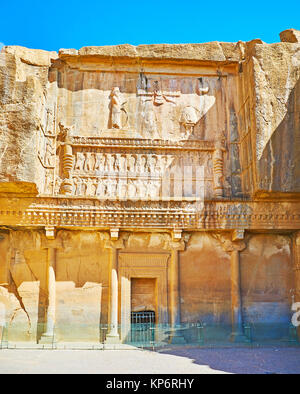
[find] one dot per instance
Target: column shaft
(296, 248)
(236, 299)
(174, 287)
(296, 253)
(113, 330)
(51, 290)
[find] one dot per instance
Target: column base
(47, 339)
(176, 338)
(239, 338)
(112, 339)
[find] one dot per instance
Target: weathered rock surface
(149, 178)
(290, 35)
(23, 80)
(211, 51)
(271, 71)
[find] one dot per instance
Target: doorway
(143, 286)
(143, 310)
(142, 327)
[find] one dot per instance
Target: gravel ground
(171, 361)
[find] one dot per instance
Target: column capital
(177, 246)
(114, 244)
(50, 232)
(114, 233)
(297, 238)
(176, 234)
(238, 234)
(231, 243)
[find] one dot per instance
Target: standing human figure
(116, 105)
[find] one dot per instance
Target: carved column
(50, 246)
(296, 260)
(4, 261)
(48, 336)
(114, 245)
(218, 172)
(3, 282)
(236, 297)
(174, 283)
(174, 287)
(296, 248)
(234, 246)
(67, 161)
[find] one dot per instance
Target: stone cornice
(203, 52)
(97, 214)
(142, 143)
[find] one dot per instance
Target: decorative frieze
(69, 212)
(136, 143)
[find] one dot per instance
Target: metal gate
(142, 327)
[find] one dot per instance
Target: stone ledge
(290, 35)
(34, 57)
(18, 188)
(211, 51)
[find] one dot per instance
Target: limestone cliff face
(253, 108)
(102, 153)
(23, 82)
(276, 73)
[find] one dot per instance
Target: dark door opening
(142, 327)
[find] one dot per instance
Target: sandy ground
(171, 361)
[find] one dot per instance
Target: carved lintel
(114, 234)
(238, 234)
(177, 234)
(50, 232)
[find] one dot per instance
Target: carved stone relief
(99, 163)
(46, 152)
(117, 165)
(116, 108)
(168, 113)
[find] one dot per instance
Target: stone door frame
(142, 265)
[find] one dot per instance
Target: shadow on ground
(244, 360)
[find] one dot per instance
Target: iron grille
(142, 327)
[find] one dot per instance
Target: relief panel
(149, 137)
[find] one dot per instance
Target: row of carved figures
(137, 163)
(112, 188)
